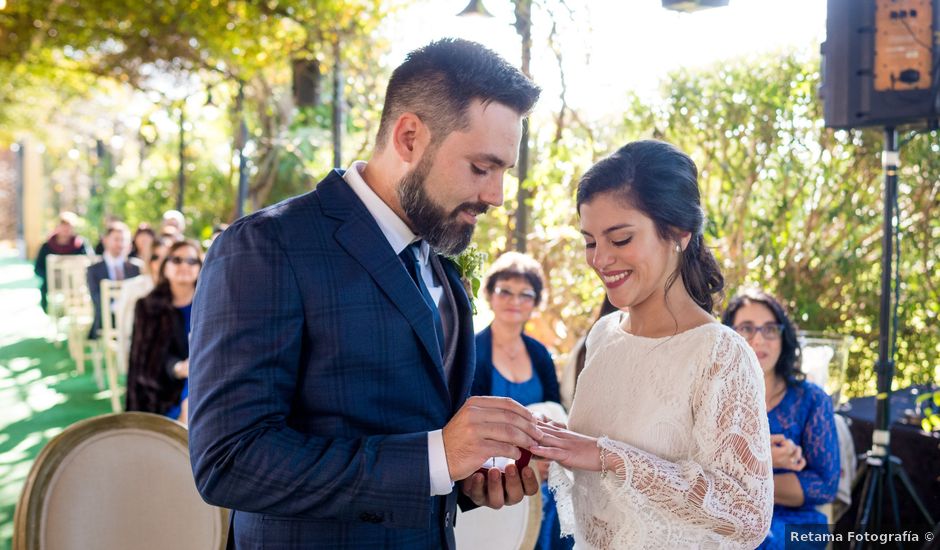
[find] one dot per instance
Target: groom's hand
(494, 489)
(485, 427)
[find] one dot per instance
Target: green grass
(40, 390)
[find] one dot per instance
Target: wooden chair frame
(27, 519)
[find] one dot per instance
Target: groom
(332, 346)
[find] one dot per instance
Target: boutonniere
(469, 265)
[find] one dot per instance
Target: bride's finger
(550, 453)
(544, 422)
(549, 440)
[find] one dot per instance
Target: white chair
(78, 312)
(109, 340)
(132, 290)
(509, 528)
(58, 291)
(116, 482)
(825, 359)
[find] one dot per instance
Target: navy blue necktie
(410, 257)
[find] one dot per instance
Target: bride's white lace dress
(686, 415)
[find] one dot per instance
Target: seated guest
(63, 241)
(114, 266)
(173, 224)
(134, 289)
(804, 444)
(158, 367)
(108, 220)
(511, 364)
(142, 244)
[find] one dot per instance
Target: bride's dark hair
(662, 182)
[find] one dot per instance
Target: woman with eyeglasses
(513, 364)
(158, 368)
(804, 446)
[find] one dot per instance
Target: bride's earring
(678, 249)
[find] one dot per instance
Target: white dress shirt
(400, 236)
(113, 264)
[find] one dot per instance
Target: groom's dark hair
(438, 82)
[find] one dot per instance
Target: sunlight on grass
(41, 398)
(16, 274)
(18, 364)
(25, 378)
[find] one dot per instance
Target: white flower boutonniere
(469, 264)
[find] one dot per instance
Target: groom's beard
(445, 233)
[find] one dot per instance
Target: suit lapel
(463, 367)
(361, 238)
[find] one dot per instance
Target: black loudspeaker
(306, 82)
(880, 62)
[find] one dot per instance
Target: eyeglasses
(770, 331)
(526, 296)
(177, 260)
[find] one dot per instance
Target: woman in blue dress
(803, 439)
(512, 364)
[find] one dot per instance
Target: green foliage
(792, 207)
(928, 404)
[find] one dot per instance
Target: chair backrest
(509, 528)
(77, 298)
(114, 482)
(110, 291)
(825, 359)
(131, 290)
(58, 269)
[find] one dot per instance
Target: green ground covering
(41, 392)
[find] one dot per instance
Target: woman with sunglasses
(804, 446)
(158, 367)
(515, 365)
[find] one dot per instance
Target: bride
(667, 441)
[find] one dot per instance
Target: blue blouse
(805, 416)
(525, 393)
(543, 369)
(175, 411)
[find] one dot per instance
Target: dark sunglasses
(177, 260)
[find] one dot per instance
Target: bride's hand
(570, 449)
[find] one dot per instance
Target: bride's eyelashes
(624, 242)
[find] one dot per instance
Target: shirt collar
(111, 260)
(396, 231)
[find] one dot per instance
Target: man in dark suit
(114, 266)
(332, 346)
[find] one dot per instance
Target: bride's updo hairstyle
(661, 181)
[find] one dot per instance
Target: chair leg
(78, 342)
(96, 362)
(110, 364)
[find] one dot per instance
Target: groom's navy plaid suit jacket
(315, 377)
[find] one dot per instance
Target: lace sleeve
(820, 478)
(725, 486)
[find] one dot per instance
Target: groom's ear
(410, 137)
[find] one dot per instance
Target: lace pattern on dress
(718, 495)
